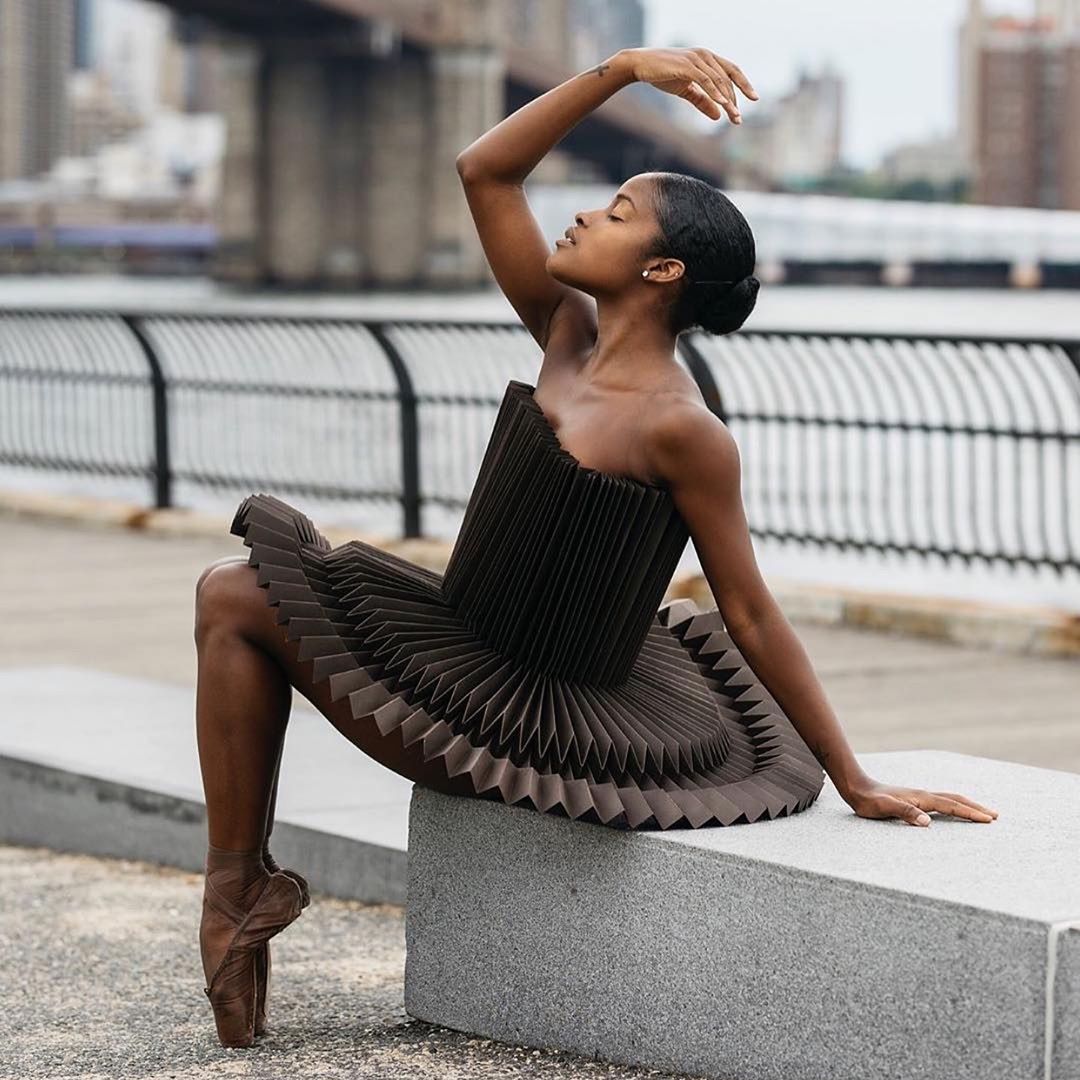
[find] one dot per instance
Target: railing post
(1072, 350)
(162, 464)
(699, 369)
(410, 432)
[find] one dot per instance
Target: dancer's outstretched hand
(872, 799)
(705, 79)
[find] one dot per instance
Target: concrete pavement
(101, 979)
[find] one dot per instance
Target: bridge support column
(297, 169)
(237, 212)
(421, 110)
(347, 261)
(339, 169)
(466, 99)
(396, 170)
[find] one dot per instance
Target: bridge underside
(342, 132)
(260, 17)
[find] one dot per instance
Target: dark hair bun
(699, 225)
(724, 308)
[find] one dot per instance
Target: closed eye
(612, 217)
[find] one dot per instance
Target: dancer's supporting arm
(694, 452)
(494, 166)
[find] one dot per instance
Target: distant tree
(872, 185)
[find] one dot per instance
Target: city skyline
(881, 112)
(885, 106)
(906, 92)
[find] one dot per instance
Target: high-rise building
(52, 25)
(97, 118)
(794, 140)
(36, 55)
(1064, 14)
(85, 52)
(13, 88)
(575, 33)
(133, 38)
(597, 28)
(1027, 112)
(190, 75)
(809, 127)
(969, 40)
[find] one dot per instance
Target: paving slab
(819, 945)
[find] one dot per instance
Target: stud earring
(644, 273)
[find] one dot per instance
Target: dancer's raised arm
(494, 166)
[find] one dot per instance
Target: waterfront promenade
(113, 600)
(122, 601)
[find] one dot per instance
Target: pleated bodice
(542, 668)
(556, 564)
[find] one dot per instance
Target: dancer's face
(608, 252)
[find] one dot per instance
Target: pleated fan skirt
(689, 738)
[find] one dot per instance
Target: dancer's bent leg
(242, 708)
(242, 704)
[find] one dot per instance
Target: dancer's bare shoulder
(689, 446)
(694, 455)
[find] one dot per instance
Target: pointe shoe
(232, 969)
(262, 988)
(273, 867)
(262, 956)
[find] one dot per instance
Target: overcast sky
(898, 60)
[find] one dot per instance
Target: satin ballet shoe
(262, 988)
(262, 956)
(271, 864)
(231, 939)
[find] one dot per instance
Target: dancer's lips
(567, 237)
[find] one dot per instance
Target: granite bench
(823, 946)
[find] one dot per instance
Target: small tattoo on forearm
(599, 69)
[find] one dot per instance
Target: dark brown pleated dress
(540, 666)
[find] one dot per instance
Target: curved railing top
(932, 444)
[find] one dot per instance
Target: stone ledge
(1025, 629)
(107, 764)
(820, 945)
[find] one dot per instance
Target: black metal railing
(942, 447)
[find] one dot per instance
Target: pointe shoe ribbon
(305, 893)
(262, 956)
(274, 867)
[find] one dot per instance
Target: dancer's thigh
(227, 589)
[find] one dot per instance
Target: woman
(538, 669)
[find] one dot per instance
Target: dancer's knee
(224, 592)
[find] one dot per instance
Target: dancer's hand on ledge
(705, 79)
(869, 798)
